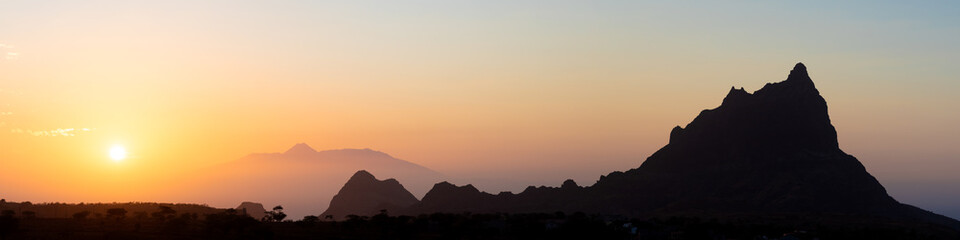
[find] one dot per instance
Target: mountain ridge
(773, 151)
(272, 178)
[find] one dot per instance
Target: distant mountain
(302, 179)
(770, 153)
(254, 210)
(364, 195)
(300, 150)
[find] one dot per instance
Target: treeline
(583, 226)
(231, 224)
(96, 210)
(163, 223)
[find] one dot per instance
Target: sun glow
(118, 153)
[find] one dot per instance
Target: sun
(118, 153)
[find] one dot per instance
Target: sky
(505, 93)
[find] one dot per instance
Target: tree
(165, 212)
(9, 213)
(81, 215)
(311, 219)
(276, 215)
(117, 213)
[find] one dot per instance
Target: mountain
(300, 150)
(302, 179)
(252, 209)
(364, 195)
(772, 152)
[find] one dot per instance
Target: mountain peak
(300, 149)
(747, 121)
(362, 175)
(364, 195)
(799, 70)
(799, 75)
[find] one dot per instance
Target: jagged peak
(798, 83)
(675, 133)
(799, 72)
(300, 148)
(735, 95)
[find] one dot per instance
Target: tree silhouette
(117, 213)
(276, 215)
(311, 219)
(165, 212)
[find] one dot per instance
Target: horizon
(498, 95)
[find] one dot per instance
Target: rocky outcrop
(254, 210)
(364, 195)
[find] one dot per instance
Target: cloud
(6, 113)
(59, 132)
(5, 50)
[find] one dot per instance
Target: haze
(500, 94)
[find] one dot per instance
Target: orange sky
(530, 93)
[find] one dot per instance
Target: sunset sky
(531, 92)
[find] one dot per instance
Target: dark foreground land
(230, 225)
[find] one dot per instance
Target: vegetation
(173, 221)
(276, 215)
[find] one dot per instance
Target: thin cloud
(59, 132)
(5, 50)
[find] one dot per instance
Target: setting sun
(118, 153)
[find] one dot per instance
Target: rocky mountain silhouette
(302, 179)
(254, 210)
(770, 152)
(364, 195)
